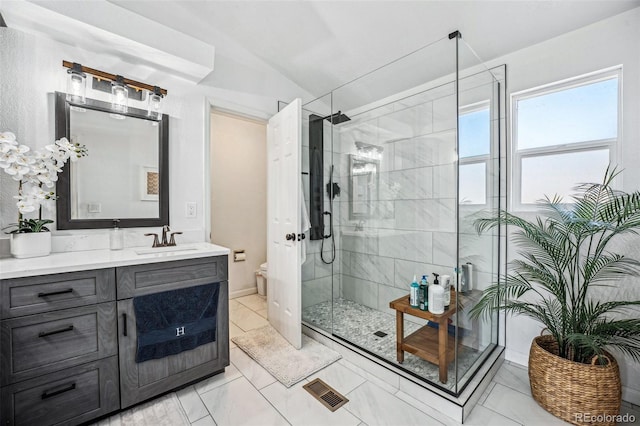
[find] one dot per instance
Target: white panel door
(284, 300)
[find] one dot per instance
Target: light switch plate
(192, 210)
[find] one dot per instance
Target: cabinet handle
(60, 330)
(124, 323)
(53, 392)
(55, 293)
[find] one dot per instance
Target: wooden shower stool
(433, 345)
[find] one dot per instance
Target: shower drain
(324, 393)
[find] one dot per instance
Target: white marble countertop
(96, 259)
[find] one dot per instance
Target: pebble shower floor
(357, 324)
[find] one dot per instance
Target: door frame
(232, 109)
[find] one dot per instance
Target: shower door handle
(330, 224)
(290, 237)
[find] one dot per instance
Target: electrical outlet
(192, 210)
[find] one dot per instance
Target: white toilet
(261, 279)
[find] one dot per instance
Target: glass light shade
(119, 97)
(76, 87)
(154, 110)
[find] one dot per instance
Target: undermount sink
(165, 250)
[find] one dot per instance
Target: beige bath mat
(283, 361)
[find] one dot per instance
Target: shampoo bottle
(116, 238)
(414, 295)
(446, 285)
(424, 293)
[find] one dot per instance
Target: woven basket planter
(571, 390)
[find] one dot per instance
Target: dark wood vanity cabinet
(58, 348)
(68, 341)
(141, 381)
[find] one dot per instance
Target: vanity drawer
(40, 344)
(155, 277)
(32, 295)
(67, 397)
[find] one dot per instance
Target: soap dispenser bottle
(116, 237)
(414, 295)
(436, 296)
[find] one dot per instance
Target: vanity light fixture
(119, 95)
(368, 150)
(122, 89)
(76, 84)
(154, 109)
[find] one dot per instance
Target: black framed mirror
(126, 173)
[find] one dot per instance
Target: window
(475, 146)
(564, 134)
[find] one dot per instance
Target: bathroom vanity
(68, 331)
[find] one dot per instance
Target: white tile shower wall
(413, 220)
(408, 245)
(316, 291)
(415, 203)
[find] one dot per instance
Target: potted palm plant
(565, 260)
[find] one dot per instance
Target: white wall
(601, 45)
(239, 195)
(31, 71)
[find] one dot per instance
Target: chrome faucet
(360, 225)
(163, 242)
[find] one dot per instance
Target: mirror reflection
(119, 178)
(363, 186)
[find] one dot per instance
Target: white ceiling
(322, 44)
(318, 45)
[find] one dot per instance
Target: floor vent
(380, 333)
(324, 393)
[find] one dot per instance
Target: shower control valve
(290, 237)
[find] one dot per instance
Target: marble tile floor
(246, 394)
(357, 324)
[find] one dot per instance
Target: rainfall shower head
(337, 118)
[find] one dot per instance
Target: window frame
(483, 158)
(517, 155)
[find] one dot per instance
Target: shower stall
(397, 164)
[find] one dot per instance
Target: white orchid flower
(26, 203)
(25, 207)
(36, 170)
(37, 193)
(24, 160)
(39, 168)
(59, 156)
(17, 171)
(44, 179)
(6, 147)
(8, 158)
(8, 138)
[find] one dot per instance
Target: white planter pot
(30, 244)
